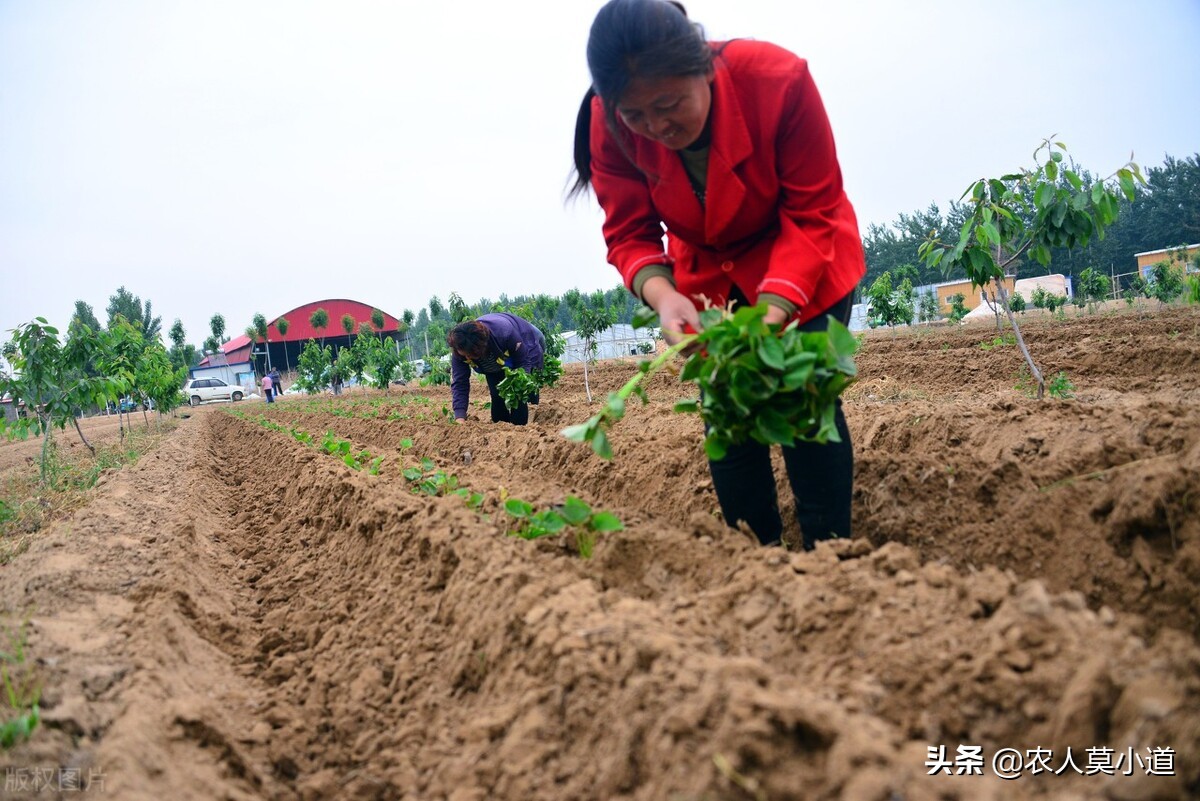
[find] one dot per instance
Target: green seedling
(999, 342)
(1061, 387)
(758, 382)
(22, 691)
(573, 513)
(517, 387)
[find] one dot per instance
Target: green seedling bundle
(767, 383)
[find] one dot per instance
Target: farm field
(241, 615)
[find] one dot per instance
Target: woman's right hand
(676, 312)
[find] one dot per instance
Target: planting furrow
(420, 651)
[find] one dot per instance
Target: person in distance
(487, 345)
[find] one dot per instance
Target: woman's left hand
(775, 315)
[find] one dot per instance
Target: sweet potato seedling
(573, 513)
(771, 384)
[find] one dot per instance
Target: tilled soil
(242, 616)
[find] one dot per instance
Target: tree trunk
(1002, 295)
(45, 446)
(586, 386)
(75, 420)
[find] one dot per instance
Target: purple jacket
(514, 343)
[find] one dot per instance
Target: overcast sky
(242, 157)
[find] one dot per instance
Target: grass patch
(21, 687)
(27, 506)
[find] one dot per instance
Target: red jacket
(776, 220)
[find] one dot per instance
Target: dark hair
(634, 39)
(469, 338)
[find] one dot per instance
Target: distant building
(620, 340)
(972, 296)
(285, 350)
(11, 410)
(1184, 254)
(1057, 284)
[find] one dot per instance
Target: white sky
(242, 157)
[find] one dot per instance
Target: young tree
(1166, 282)
(50, 379)
(890, 306)
(177, 335)
(383, 360)
(958, 307)
(378, 321)
(282, 325)
(356, 359)
(1017, 302)
(458, 309)
(436, 309)
(314, 368)
(880, 296)
(1093, 286)
(348, 325)
(85, 315)
(157, 381)
(319, 320)
(1031, 211)
(262, 332)
(121, 348)
(126, 304)
(217, 326)
(589, 323)
(927, 310)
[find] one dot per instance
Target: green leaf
(579, 433)
(687, 406)
(575, 511)
(606, 522)
(773, 427)
(518, 508)
(1125, 177)
(988, 234)
(601, 445)
(1074, 180)
(615, 406)
(550, 520)
(715, 448)
(692, 368)
(1043, 196)
(645, 317)
(771, 353)
(1052, 168)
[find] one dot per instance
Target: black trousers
(821, 476)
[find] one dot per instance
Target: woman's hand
(676, 311)
(775, 315)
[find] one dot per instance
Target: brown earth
(241, 616)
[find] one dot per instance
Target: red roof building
(285, 350)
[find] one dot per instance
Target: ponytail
(583, 146)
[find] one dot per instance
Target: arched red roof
(301, 330)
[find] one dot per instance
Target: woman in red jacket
(727, 147)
